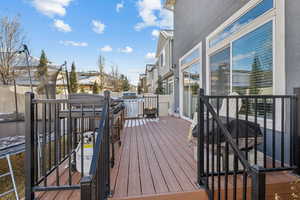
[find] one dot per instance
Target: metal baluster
(255, 136)
(69, 141)
(44, 113)
(273, 132)
(218, 154)
(55, 143)
(282, 132)
(49, 136)
(82, 139)
(265, 133)
(226, 152)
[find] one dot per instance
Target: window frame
(277, 16)
(181, 69)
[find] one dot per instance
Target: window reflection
(252, 63)
(191, 77)
(220, 72)
(255, 12)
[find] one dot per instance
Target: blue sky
(123, 31)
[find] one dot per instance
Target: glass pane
(252, 63)
(192, 56)
(186, 82)
(220, 73)
(252, 66)
(255, 12)
(194, 86)
(191, 85)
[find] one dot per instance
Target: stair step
(198, 194)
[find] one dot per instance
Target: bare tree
(101, 65)
(11, 40)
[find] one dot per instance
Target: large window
(243, 62)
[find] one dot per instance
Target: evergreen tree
(125, 83)
(73, 79)
(95, 88)
(42, 74)
(159, 89)
(255, 75)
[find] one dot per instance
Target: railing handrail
(98, 143)
(227, 135)
(253, 96)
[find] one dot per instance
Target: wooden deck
(154, 159)
(155, 162)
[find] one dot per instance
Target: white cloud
(51, 7)
(73, 43)
(126, 50)
(155, 33)
(119, 6)
(106, 48)
(239, 57)
(98, 26)
(152, 14)
(60, 25)
(150, 55)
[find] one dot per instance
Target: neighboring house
(227, 46)
(86, 81)
(143, 83)
(152, 77)
(21, 70)
(164, 60)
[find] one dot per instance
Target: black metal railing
(56, 135)
(96, 185)
(241, 138)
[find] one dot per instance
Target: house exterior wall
(194, 20)
(163, 70)
(292, 44)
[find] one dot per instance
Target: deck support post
(86, 188)
(157, 105)
(258, 184)
(295, 131)
(29, 145)
(200, 142)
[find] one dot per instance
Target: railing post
(258, 184)
(107, 142)
(157, 105)
(295, 131)
(200, 142)
(143, 106)
(86, 188)
(29, 145)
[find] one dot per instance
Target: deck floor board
(160, 159)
